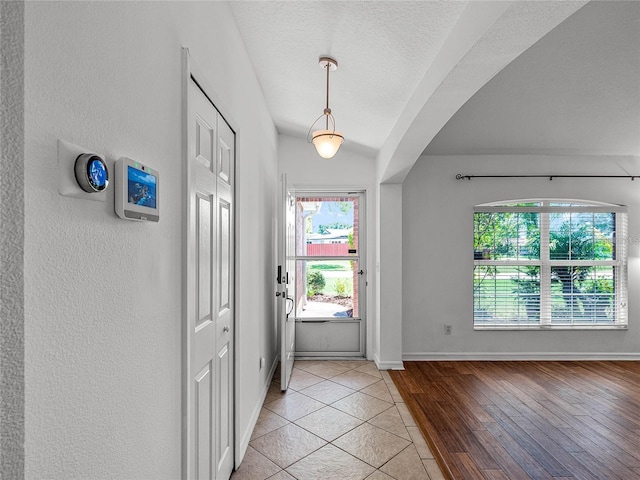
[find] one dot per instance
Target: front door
(286, 283)
(330, 280)
(209, 290)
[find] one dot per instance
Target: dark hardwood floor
(522, 420)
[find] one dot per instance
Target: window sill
(550, 327)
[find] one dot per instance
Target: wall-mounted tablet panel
(137, 191)
(81, 174)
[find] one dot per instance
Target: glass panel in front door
(328, 275)
(327, 226)
(331, 288)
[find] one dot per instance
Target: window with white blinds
(550, 264)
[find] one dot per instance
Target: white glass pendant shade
(327, 142)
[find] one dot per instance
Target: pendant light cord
(327, 110)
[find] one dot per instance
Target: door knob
(225, 328)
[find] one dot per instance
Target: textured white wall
(438, 260)
(305, 168)
(103, 296)
(11, 240)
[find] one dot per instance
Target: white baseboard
(386, 365)
(426, 356)
(246, 437)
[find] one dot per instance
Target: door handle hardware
(289, 310)
(225, 329)
(279, 293)
(361, 272)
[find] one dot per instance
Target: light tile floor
(339, 420)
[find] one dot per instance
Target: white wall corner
(388, 365)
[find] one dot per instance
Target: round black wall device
(92, 173)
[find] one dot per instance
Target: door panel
(204, 404)
(203, 257)
(286, 283)
(203, 336)
(224, 414)
(225, 162)
(209, 291)
(225, 295)
(224, 231)
(290, 300)
(328, 337)
(205, 142)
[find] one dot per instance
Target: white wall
(438, 259)
(348, 169)
(12, 240)
(103, 313)
(389, 274)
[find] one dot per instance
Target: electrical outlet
(447, 329)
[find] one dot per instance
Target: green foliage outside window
(315, 283)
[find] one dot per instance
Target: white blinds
(550, 265)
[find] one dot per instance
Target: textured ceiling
(383, 50)
(575, 91)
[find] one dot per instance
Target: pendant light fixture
(327, 141)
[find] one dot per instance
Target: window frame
(545, 263)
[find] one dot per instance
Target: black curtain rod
(550, 177)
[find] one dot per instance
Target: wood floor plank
(622, 428)
(628, 452)
(616, 453)
(528, 420)
(604, 472)
(496, 475)
(469, 467)
(502, 456)
(523, 458)
(467, 438)
(561, 453)
(533, 406)
(529, 444)
(441, 455)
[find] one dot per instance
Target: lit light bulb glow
(327, 142)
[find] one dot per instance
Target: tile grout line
(387, 381)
